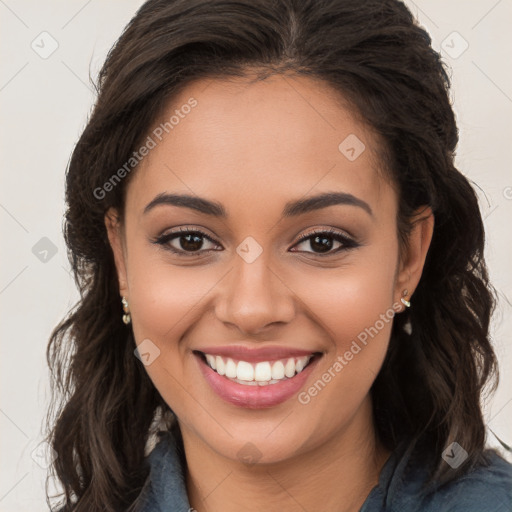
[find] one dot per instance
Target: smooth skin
(253, 147)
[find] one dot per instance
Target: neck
(338, 474)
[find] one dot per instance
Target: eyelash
(164, 240)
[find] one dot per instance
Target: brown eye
(185, 242)
(322, 242)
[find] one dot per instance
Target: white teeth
(244, 371)
(278, 370)
(289, 369)
(219, 363)
(300, 364)
(230, 368)
(211, 361)
(261, 373)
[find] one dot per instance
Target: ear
(415, 254)
(116, 238)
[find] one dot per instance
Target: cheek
(165, 297)
(354, 306)
(351, 298)
(166, 302)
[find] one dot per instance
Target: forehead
(266, 141)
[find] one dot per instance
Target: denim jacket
(485, 489)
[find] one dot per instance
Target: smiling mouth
(262, 373)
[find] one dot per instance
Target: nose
(254, 297)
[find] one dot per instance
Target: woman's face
(247, 282)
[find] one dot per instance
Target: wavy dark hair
(378, 57)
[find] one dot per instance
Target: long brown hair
(375, 54)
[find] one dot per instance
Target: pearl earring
(404, 301)
(126, 317)
(407, 326)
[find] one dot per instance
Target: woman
(281, 271)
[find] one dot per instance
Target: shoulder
(487, 487)
(165, 487)
(402, 486)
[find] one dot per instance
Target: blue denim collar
(400, 486)
(165, 488)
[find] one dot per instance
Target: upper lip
(243, 353)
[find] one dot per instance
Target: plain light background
(44, 106)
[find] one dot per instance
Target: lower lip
(255, 397)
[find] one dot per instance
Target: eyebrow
(291, 209)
